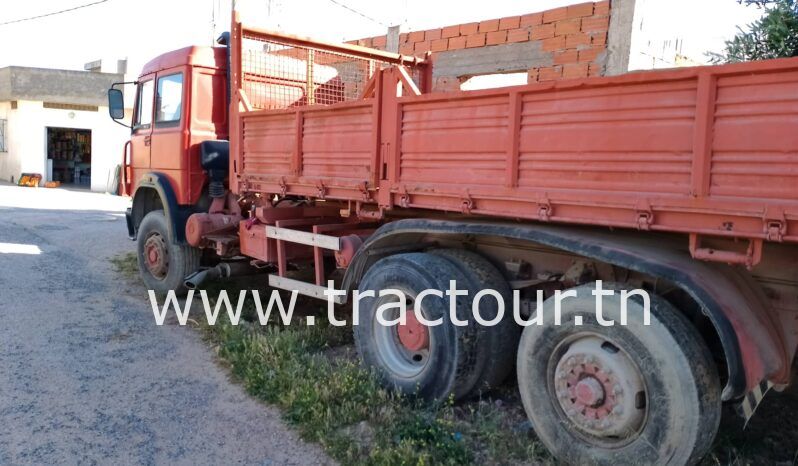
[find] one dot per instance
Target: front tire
(163, 265)
(644, 394)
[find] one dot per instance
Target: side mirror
(116, 104)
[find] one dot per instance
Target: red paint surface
(711, 150)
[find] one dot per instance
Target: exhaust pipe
(223, 270)
(193, 281)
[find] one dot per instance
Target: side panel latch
(775, 224)
(645, 216)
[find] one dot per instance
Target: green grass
(334, 401)
(126, 264)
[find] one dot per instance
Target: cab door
(170, 132)
(141, 136)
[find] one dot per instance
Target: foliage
(775, 35)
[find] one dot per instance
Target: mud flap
(131, 229)
(754, 398)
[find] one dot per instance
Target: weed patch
(341, 405)
(126, 264)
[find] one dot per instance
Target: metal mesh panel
(278, 75)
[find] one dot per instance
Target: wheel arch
(733, 302)
(154, 191)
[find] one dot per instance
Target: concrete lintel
(506, 58)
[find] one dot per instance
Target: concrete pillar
(619, 41)
(392, 40)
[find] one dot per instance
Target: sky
(142, 29)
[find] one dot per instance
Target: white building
(55, 123)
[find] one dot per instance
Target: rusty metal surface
(709, 151)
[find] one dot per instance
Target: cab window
(169, 100)
(144, 106)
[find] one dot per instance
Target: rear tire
(433, 368)
(621, 394)
(163, 265)
(497, 344)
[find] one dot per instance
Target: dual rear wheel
(434, 362)
(647, 394)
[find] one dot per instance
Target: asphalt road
(86, 377)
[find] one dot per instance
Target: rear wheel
(163, 265)
(497, 343)
(430, 362)
(648, 394)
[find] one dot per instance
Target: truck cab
(180, 102)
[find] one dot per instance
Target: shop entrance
(69, 156)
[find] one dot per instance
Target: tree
(775, 35)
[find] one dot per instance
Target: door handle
(147, 140)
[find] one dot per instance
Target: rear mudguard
(754, 348)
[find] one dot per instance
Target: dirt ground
(85, 375)
(771, 438)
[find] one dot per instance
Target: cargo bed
(709, 151)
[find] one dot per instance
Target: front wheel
(163, 265)
(643, 394)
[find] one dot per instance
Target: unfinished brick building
(575, 41)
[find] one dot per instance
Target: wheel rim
(403, 349)
(156, 256)
(413, 335)
(599, 389)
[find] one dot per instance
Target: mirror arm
(122, 83)
(113, 86)
(123, 124)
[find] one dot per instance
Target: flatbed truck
(284, 153)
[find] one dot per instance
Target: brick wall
(563, 43)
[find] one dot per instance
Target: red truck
(337, 161)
